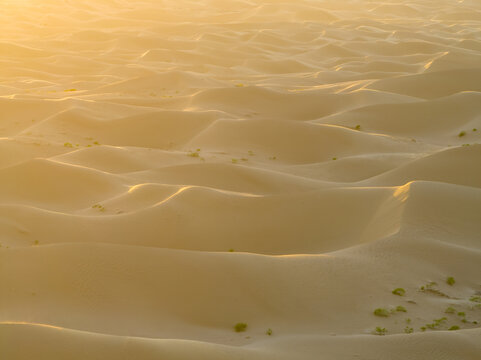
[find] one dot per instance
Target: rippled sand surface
(169, 169)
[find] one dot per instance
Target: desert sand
(308, 168)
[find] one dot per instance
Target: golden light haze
(270, 180)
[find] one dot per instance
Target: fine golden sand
(171, 169)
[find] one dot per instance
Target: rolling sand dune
(172, 169)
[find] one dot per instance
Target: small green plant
(450, 310)
(429, 285)
(36, 242)
(379, 331)
(381, 312)
(269, 332)
(462, 133)
(99, 207)
(71, 90)
(475, 129)
(476, 299)
(67, 144)
(436, 323)
(96, 143)
(454, 327)
(240, 327)
(408, 330)
(401, 309)
(450, 280)
(244, 159)
(423, 328)
(250, 152)
(334, 158)
(231, 250)
(193, 154)
(431, 288)
(408, 321)
(235, 161)
(273, 158)
(358, 127)
(399, 292)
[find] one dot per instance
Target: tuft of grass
(436, 323)
(193, 154)
(423, 328)
(381, 312)
(250, 152)
(408, 330)
(235, 161)
(67, 144)
(462, 133)
(240, 327)
(401, 309)
(358, 127)
(269, 332)
(430, 288)
(450, 310)
(99, 207)
(408, 321)
(399, 292)
(70, 90)
(334, 158)
(475, 129)
(36, 242)
(450, 280)
(476, 299)
(462, 314)
(379, 331)
(231, 250)
(454, 327)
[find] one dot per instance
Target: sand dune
(169, 169)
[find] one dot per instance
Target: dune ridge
(169, 169)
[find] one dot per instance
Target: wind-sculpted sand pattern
(225, 179)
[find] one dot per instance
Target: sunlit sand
(233, 179)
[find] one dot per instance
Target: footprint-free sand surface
(171, 169)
